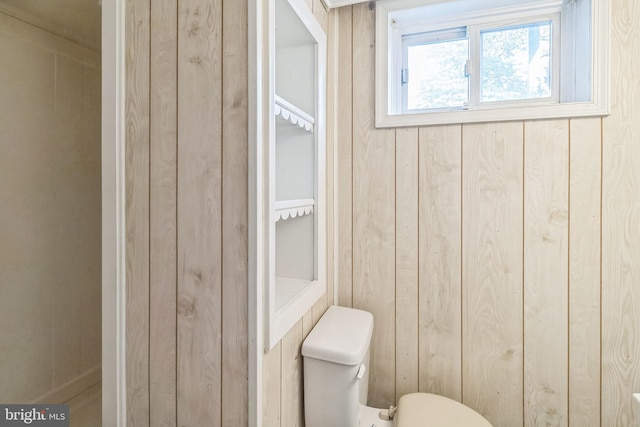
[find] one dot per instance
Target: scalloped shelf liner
(293, 208)
(293, 114)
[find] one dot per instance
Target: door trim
(113, 215)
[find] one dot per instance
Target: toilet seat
(431, 410)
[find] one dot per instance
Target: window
(516, 62)
(485, 60)
(437, 61)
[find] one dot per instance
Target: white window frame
(476, 61)
(389, 102)
(429, 36)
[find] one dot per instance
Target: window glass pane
(437, 75)
(516, 63)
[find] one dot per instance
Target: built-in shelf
(293, 208)
(292, 155)
(292, 114)
(288, 289)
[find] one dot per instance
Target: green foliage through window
(516, 63)
(437, 75)
(512, 63)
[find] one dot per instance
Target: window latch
(404, 76)
(468, 69)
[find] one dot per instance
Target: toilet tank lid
(342, 335)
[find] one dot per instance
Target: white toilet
(336, 378)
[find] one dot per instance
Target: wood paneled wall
(187, 195)
(501, 260)
(621, 222)
(186, 212)
(282, 366)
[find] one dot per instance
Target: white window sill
(568, 110)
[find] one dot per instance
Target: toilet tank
(336, 372)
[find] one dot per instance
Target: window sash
(473, 33)
(422, 39)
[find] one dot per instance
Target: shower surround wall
(50, 228)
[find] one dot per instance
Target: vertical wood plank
(137, 211)
(374, 214)
(291, 378)
(163, 209)
(318, 309)
(321, 14)
(235, 362)
(271, 387)
(406, 261)
(199, 213)
(546, 235)
(584, 271)
(307, 323)
(440, 228)
(344, 123)
(332, 140)
(492, 271)
(620, 219)
(309, 4)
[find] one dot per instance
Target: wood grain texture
(407, 195)
(199, 213)
(291, 404)
(620, 219)
(307, 323)
(271, 387)
(137, 210)
(440, 228)
(344, 187)
(373, 214)
(318, 309)
(309, 4)
(584, 271)
(163, 210)
(491, 218)
(491, 369)
(546, 272)
(235, 224)
(492, 271)
(332, 141)
(322, 16)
